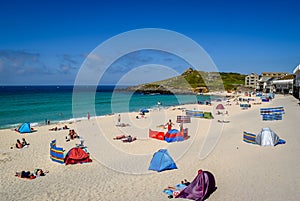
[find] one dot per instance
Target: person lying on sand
(184, 183)
(19, 145)
(28, 175)
(172, 191)
(125, 138)
(223, 121)
(72, 135)
(53, 129)
(122, 125)
(141, 117)
(65, 127)
(24, 143)
(129, 138)
(119, 137)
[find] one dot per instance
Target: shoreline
(73, 120)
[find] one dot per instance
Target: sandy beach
(119, 171)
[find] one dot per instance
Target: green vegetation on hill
(195, 81)
(232, 80)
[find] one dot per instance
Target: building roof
(253, 74)
(274, 73)
(264, 79)
(290, 81)
(297, 69)
(287, 77)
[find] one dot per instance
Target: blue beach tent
(144, 110)
(24, 128)
(162, 161)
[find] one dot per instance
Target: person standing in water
(88, 116)
(158, 105)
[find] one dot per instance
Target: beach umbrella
(220, 107)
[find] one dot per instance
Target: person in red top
(169, 124)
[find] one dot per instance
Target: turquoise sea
(35, 104)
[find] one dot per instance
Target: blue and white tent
(162, 161)
(24, 128)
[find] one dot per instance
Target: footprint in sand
(5, 157)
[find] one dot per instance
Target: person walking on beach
(169, 124)
(119, 120)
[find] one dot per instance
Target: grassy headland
(193, 81)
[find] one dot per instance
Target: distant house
(251, 80)
(265, 83)
(274, 74)
(284, 85)
(296, 82)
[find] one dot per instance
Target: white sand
(119, 170)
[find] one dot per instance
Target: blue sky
(46, 42)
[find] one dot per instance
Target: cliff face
(191, 82)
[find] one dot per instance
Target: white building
(251, 80)
(265, 82)
(283, 86)
(296, 89)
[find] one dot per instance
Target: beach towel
(208, 115)
(193, 113)
(175, 191)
